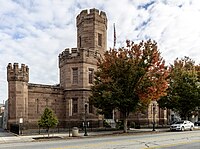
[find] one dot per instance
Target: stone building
(27, 101)
(2, 109)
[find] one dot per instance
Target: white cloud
(35, 32)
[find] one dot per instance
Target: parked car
(197, 123)
(182, 125)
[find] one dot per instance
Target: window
(80, 41)
(46, 102)
(70, 107)
(75, 75)
(55, 106)
(90, 108)
(99, 39)
(75, 105)
(37, 106)
(91, 75)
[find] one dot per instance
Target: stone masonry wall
(42, 96)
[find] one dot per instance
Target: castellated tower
(17, 92)
(91, 44)
(77, 65)
(92, 30)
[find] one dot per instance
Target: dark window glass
(91, 75)
(90, 108)
(80, 41)
(37, 106)
(99, 39)
(75, 105)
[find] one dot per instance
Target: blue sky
(34, 32)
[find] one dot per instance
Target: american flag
(114, 36)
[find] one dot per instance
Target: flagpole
(114, 44)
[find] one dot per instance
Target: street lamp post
(69, 126)
(70, 114)
(154, 114)
(85, 121)
(20, 126)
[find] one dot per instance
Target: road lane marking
(94, 144)
(173, 144)
(141, 141)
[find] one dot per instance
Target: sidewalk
(6, 137)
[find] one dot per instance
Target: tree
(129, 77)
(183, 94)
(48, 120)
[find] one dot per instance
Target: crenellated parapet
(69, 53)
(75, 55)
(99, 16)
(16, 73)
(68, 56)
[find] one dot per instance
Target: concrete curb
(60, 136)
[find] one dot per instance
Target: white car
(182, 125)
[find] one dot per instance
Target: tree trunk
(183, 116)
(125, 124)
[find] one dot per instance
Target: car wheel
(191, 128)
(182, 128)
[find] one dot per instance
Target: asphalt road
(164, 140)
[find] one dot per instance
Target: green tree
(183, 94)
(129, 77)
(48, 120)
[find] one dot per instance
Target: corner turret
(92, 30)
(17, 93)
(14, 73)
